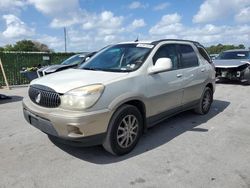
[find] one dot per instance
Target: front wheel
(205, 102)
(124, 131)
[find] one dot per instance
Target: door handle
(203, 69)
(179, 75)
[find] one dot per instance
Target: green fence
(13, 62)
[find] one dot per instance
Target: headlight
(81, 98)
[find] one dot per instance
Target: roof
(178, 40)
(136, 42)
(155, 42)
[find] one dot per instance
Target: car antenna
(137, 39)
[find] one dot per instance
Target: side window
(167, 51)
(188, 56)
(204, 54)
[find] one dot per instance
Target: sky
(93, 24)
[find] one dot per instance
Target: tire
(124, 131)
(247, 83)
(247, 75)
(205, 102)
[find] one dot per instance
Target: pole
(5, 78)
(65, 39)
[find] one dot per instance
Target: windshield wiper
(91, 68)
(106, 70)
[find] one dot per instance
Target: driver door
(164, 90)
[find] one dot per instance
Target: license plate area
(40, 123)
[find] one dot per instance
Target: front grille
(44, 96)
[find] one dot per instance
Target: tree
(8, 47)
(24, 45)
(41, 47)
(28, 46)
(241, 46)
(220, 48)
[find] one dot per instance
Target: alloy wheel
(206, 102)
(127, 131)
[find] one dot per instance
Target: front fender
(124, 98)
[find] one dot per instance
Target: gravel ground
(187, 150)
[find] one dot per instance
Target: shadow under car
(155, 136)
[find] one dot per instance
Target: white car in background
(72, 62)
(233, 65)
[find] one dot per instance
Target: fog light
(74, 131)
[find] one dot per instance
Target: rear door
(193, 74)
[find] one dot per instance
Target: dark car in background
(213, 56)
(72, 62)
(233, 65)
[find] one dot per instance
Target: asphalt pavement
(187, 150)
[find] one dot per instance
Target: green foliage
(24, 45)
(27, 46)
(41, 47)
(8, 47)
(241, 46)
(31, 69)
(220, 48)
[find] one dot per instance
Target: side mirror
(161, 65)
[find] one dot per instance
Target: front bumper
(241, 73)
(68, 125)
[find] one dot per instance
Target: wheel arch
(141, 107)
(210, 85)
(139, 104)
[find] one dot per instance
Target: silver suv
(120, 92)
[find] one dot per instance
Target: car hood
(67, 80)
(53, 68)
(229, 63)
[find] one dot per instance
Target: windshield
(119, 58)
(234, 55)
(75, 59)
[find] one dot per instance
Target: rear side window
(188, 56)
(204, 54)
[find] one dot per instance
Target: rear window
(204, 54)
(234, 55)
(76, 59)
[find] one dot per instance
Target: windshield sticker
(145, 45)
(131, 66)
(241, 55)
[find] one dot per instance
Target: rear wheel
(205, 102)
(247, 82)
(124, 130)
(247, 75)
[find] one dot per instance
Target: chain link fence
(13, 62)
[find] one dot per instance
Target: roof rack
(182, 40)
(197, 44)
